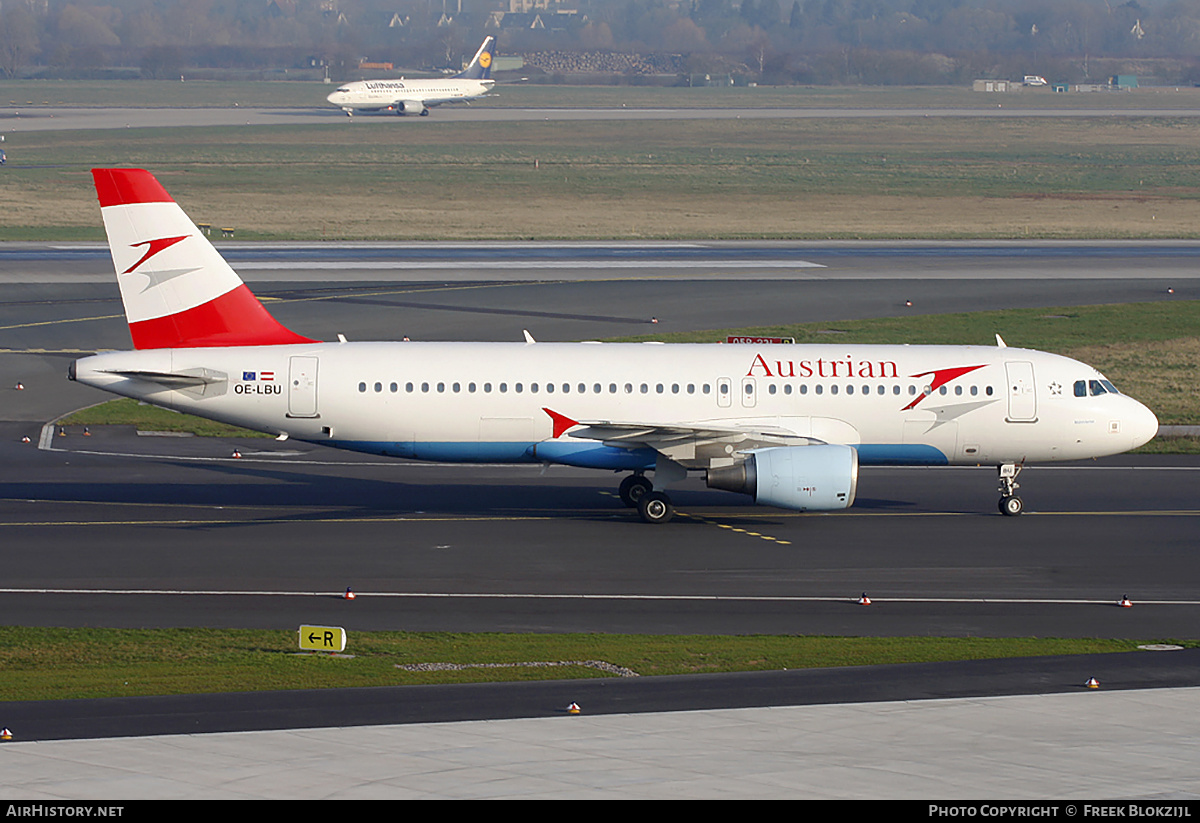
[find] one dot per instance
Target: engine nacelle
(412, 107)
(805, 478)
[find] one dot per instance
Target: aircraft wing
(691, 444)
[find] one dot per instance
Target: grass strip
(829, 177)
(307, 91)
(61, 663)
(128, 412)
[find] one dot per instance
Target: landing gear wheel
(633, 488)
(1011, 506)
(655, 507)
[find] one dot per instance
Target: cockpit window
(1083, 388)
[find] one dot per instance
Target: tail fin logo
(153, 248)
(485, 59)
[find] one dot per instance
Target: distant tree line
(772, 41)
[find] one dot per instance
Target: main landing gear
(1010, 504)
(638, 493)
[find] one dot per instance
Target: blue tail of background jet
(480, 67)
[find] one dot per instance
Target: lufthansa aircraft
(787, 424)
(419, 96)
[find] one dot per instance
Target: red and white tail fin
(177, 289)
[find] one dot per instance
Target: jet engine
(412, 107)
(806, 478)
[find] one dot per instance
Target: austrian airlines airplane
(419, 96)
(789, 425)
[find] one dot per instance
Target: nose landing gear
(1010, 505)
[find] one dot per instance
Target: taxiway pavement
(54, 118)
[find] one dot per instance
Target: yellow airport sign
(322, 638)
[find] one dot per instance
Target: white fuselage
(487, 402)
(407, 95)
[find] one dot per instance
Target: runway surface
(117, 529)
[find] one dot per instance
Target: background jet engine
(806, 478)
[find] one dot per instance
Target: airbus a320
(788, 425)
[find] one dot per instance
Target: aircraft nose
(1143, 425)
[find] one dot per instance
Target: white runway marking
(877, 601)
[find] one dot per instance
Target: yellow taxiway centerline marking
(58, 322)
(746, 532)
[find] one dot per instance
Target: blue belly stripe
(591, 455)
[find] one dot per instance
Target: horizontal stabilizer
(175, 380)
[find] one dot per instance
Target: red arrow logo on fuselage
(561, 422)
(940, 378)
(154, 247)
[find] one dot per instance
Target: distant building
(995, 85)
